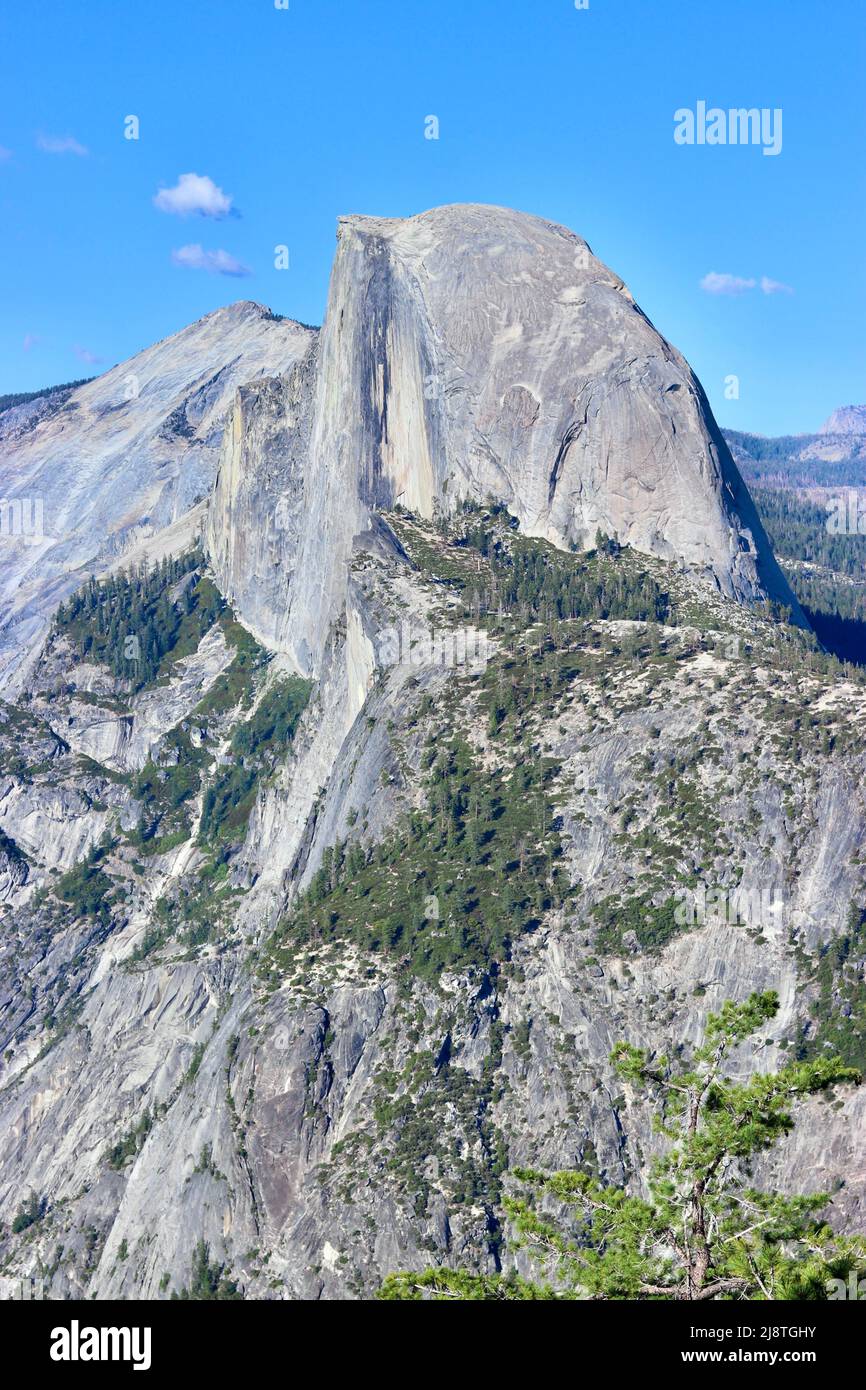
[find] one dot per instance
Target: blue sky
(299, 115)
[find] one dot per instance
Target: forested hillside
(825, 567)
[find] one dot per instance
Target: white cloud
(725, 284)
(735, 284)
(85, 355)
(31, 340)
(194, 257)
(194, 193)
(60, 144)
(774, 286)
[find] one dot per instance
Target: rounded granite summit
(477, 352)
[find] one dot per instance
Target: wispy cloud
(4, 154)
(194, 257)
(31, 340)
(725, 284)
(774, 286)
(195, 195)
(85, 355)
(61, 144)
(736, 284)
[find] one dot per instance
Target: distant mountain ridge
(847, 419)
(826, 458)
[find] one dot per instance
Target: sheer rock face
(120, 458)
(256, 517)
(475, 352)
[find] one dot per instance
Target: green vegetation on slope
(653, 925)
(455, 884)
(839, 1011)
(130, 1145)
(167, 788)
(255, 750)
(87, 888)
(30, 1213)
(507, 580)
(131, 622)
(797, 528)
(207, 1281)
(833, 595)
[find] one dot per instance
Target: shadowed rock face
(477, 352)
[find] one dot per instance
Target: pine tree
(702, 1232)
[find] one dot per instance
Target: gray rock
(477, 352)
(324, 1127)
(117, 460)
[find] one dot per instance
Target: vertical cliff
(475, 352)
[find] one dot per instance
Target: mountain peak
(485, 224)
(129, 452)
(248, 311)
(847, 419)
(472, 352)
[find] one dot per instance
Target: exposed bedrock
(474, 352)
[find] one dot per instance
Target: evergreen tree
(207, 1281)
(702, 1232)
